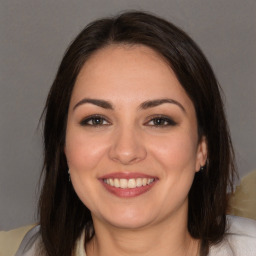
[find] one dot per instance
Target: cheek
(176, 158)
(84, 155)
(84, 152)
(176, 152)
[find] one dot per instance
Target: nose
(127, 147)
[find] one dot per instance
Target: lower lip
(128, 192)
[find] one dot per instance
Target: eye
(94, 121)
(161, 121)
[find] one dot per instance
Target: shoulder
(11, 240)
(240, 238)
(241, 226)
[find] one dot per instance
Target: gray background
(34, 36)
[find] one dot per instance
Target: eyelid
(85, 120)
(168, 119)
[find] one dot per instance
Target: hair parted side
(62, 215)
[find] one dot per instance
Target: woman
(138, 157)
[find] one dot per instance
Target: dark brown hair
(62, 215)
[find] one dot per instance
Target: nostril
(127, 157)
(127, 147)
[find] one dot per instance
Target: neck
(165, 239)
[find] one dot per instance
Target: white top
(240, 240)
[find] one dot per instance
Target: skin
(128, 141)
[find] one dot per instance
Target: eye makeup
(157, 121)
(160, 121)
(94, 120)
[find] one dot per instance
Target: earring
(202, 168)
(69, 179)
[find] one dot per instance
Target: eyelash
(87, 120)
(164, 121)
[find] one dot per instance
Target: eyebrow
(101, 103)
(157, 102)
(145, 105)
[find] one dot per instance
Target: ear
(202, 153)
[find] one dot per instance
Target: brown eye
(94, 121)
(161, 122)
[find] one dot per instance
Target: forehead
(124, 57)
(128, 72)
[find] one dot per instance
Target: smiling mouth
(128, 183)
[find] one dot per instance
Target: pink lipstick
(128, 184)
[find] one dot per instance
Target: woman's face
(131, 143)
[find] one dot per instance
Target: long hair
(62, 215)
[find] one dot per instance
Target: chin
(130, 223)
(129, 219)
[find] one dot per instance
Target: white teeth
(144, 181)
(129, 183)
(116, 183)
(138, 182)
(150, 181)
(123, 183)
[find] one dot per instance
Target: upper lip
(126, 175)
